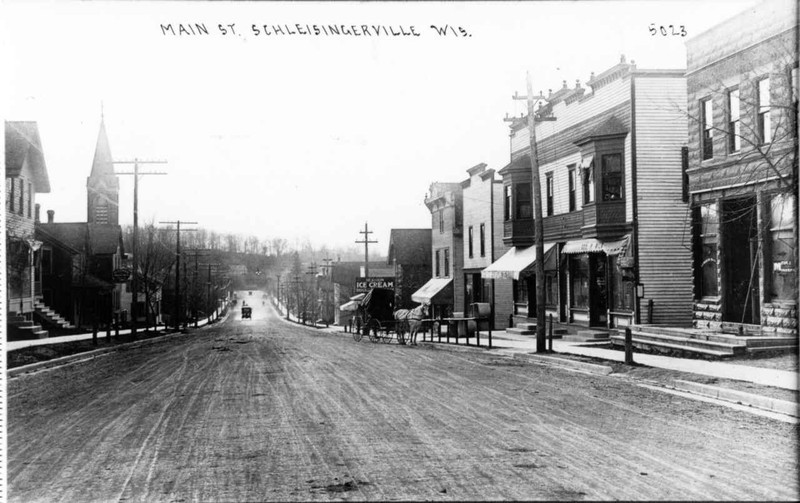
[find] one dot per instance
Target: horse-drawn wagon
(377, 319)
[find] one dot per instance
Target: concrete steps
(673, 343)
(587, 336)
(530, 329)
(703, 342)
(49, 317)
(20, 328)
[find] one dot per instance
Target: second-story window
(571, 178)
(507, 203)
(734, 127)
(21, 192)
(763, 123)
(437, 269)
(587, 173)
(549, 183)
(441, 221)
(707, 126)
(483, 240)
(524, 202)
(470, 241)
(612, 177)
(447, 262)
(10, 183)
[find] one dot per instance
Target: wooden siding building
(483, 242)
(610, 164)
(26, 176)
(742, 177)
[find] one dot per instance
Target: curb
(86, 355)
(463, 348)
(592, 368)
(729, 395)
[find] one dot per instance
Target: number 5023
(668, 30)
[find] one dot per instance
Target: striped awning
(349, 306)
(431, 289)
(595, 246)
(513, 263)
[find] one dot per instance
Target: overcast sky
(304, 136)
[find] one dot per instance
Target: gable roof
(410, 246)
(23, 142)
(612, 126)
(93, 239)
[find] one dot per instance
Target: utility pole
(541, 339)
(327, 268)
(208, 286)
(135, 280)
(178, 269)
(366, 232)
(312, 271)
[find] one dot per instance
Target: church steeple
(102, 186)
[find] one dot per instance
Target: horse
(411, 318)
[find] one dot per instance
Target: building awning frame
(514, 263)
(434, 289)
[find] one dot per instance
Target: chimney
(564, 85)
(37, 207)
(50, 216)
(577, 84)
(622, 58)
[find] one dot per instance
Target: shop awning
(513, 263)
(596, 246)
(434, 287)
(349, 306)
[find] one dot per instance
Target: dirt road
(255, 410)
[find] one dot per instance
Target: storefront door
(598, 284)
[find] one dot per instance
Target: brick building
(445, 290)
(26, 176)
(610, 164)
(742, 171)
(410, 257)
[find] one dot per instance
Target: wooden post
(550, 335)
(628, 346)
(94, 332)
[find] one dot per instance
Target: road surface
(260, 410)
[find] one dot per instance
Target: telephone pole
(366, 232)
(541, 340)
(178, 268)
(135, 280)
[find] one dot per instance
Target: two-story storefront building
(445, 290)
(742, 176)
(616, 240)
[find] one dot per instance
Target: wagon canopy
(379, 303)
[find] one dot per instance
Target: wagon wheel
(386, 337)
(373, 330)
(356, 335)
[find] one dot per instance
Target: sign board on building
(121, 275)
(364, 285)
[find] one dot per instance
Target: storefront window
(622, 287)
(709, 229)
(783, 248)
(579, 274)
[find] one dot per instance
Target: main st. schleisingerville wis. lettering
(315, 30)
